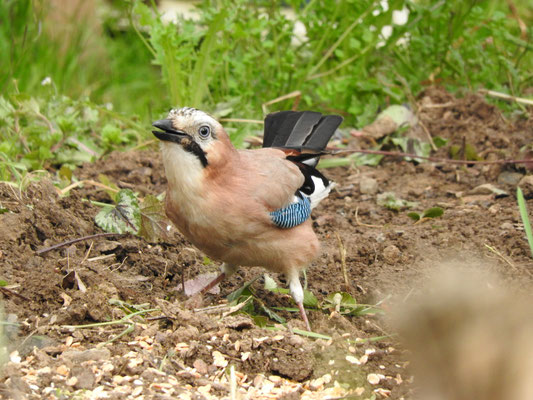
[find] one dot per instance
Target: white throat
(184, 172)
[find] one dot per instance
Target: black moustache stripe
(192, 147)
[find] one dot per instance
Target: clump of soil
(186, 346)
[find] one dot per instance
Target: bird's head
(195, 132)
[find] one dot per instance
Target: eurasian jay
(247, 207)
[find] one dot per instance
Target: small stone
(316, 384)
(391, 254)
(85, 376)
(373, 379)
(62, 370)
(353, 360)
(368, 186)
(258, 381)
(219, 360)
(14, 357)
(201, 366)
(72, 381)
(509, 178)
(526, 184)
(77, 357)
(506, 226)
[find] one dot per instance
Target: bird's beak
(168, 132)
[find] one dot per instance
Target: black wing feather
(299, 130)
(302, 129)
(323, 131)
(273, 123)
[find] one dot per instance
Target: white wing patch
(321, 191)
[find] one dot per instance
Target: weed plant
(87, 84)
(352, 59)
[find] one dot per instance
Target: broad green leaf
(123, 217)
(310, 299)
(154, 223)
(414, 216)
(433, 212)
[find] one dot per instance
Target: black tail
(308, 131)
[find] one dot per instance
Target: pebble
(506, 226)
(368, 186)
(62, 370)
(219, 360)
(316, 384)
(353, 360)
(77, 357)
(526, 184)
(509, 178)
(201, 366)
(85, 376)
(391, 254)
(373, 379)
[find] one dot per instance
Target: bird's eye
(204, 131)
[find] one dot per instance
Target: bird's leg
(297, 294)
(227, 271)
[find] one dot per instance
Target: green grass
(91, 57)
(525, 217)
(344, 63)
(110, 75)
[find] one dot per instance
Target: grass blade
(525, 217)
(199, 83)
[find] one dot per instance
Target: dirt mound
(187, 346)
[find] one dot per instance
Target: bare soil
(183, 349)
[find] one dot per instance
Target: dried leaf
(193, 286)
(154, 224)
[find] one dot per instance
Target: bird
(247, 207)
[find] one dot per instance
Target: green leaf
(272, 315)
(3, 283)
(313, 335)
(204, 60)
(113, 194)
(345, 299)
(440, 141)
(270, 284)
(414, 216)
(124, 217)
(469, 153)
(525, 217)
(260, 320)
(111, 134)
(390, 201)
(154, 223)
(433, 212)
(242, 291)
(310, 299)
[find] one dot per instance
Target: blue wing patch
(292, 215)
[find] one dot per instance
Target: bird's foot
(304, 316)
